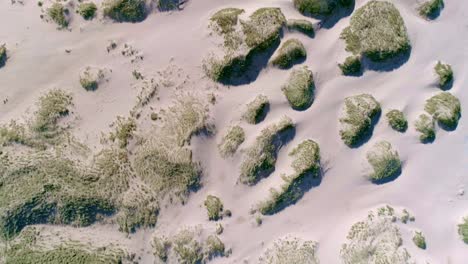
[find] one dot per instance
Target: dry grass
(230, 142)
(226, 19)
(291, 250)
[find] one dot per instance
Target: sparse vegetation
(445, 73)
(123, 132)
(419, 240)
(256, 110)
(351, 66)
(226, 19)
(299, 88)
(385, 161)
(125, 10)
(304, 26)
(319, 8)
(425, 125)
(263, 28)
(230, 142)
(359, 113)
(214, 207)
(90, 78)
(260, 158)
(57, 13)
(289, 54)
(445, 108)
(377, 31)
(463, 230)
(291, 250)
(87, 10)
(214, 247)
(431, 8)
(3, 55)
(397, 120)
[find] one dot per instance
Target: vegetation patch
(291, 250)
(264, 27)
(58, 13)
(226, 19)
(260, 158)
(256, 110)
(351, 66)
(360, 111)
(214, 207)
(397, 120)
(302, 25)
(385, 162)
(124, 129)
(431, 8)
(291, 52)
(426, 127)
(3, 55)
(125, 10)
(419, 240)
(87, 10)
(90, 78)
(320, 8)
(299, 88)
(230, 142)
(377, 31)
(445, 108)
(445, 74)
(463, 230)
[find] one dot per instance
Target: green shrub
(299, 88)
(425, 125)
(445, 73)
(445, 108)
(320, 7)
(256, 110)
(3, 55)
(397, 120)
(87, 10)
(214, 207)
(187, 247)
(90, 78)
(463, 230)
(123, 132)
(385, 161)
(226, 19)
(230, 142)
(419, 240)
(214, 247)
(167, 5)
(260, 158)
(351, 66)
(57, 13)
(431, 8)
(289, 54)
(125, 10)
(291, 250)
(359, 113)
(377, 31)
(263, 28)
(304, 26)
(161, 246)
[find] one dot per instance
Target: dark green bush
(320, 7)
(419, 240)
(125, 10)
(463, 230)
(301, 25)
(299, 88)
(290, 52)
(214, 207)
(87, 10)
(397, 120)
(256, 110)
(3, 55)
(431, 8)
(351, 66)
(57, 13)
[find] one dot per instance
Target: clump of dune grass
(13, 132)
(291, 250)
(87, 10)
(58, 13)
(319, 8)
(359, 113)
(214, 247)
(445, 74)
(256, 110)
(463, 230)
(397, 120)
(230, 142)
(124, 129)
(302, 25)
(264, 27)
(351, 66)
(426, 127)
(168, 5)
(260, 158)
(214, 207)
(299, 88)
(419, 240)
(445, 108)
(90, 78)
(3, 55)
(384, 160)
(306, 165)
(226, 19)
(125, 10)
(377, 31)
(290, 52)
(431, 8)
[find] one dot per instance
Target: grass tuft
(445, 73)
(124, 130)
(291, 250)
(299, 88)
(425, 125)
(226, 19)
(304, 26)
(57, 13)
(87, 10)
(351, 66)
(291, 52)
(125, 10)
(419, 240)
(318, 8)
(90, 78)
(431, 8)
(214, 247)
(263, 28)
(256, 110)
(397, 120)
(385, 161)
(3, 55)
(445, 108)
(230, 142)
(214, 207)
(463, 230)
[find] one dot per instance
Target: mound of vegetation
(304, 26)
(260, 158)
(377, 31)
(123, 131)
(385, 161)
(463, 230)
(419, 240)
(231, 141)
(359, 113)
(167, 5)
(87, 10)
(3, 55)
(318, 8)
(226, 19)
(445, 108)
(397, 120)
(299, 88)
(263, 28)
(306, 165)
(351, 66)
(431, 8)
(425, 125)
(58, 13)
(90, 78)
(445, 74)
(125, 10)
(291, 250)
(214, 207)
(291, 52)
(256, 110)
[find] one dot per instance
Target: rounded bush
(289, 53)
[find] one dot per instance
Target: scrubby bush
(299, 88)
(289, 54)
(161, 246)
(263, 28)
(304, 26)
(57, 13)
(125, 10)
(256, 110)
(187, 248)
(214, 247)
(397, 120)
(445, 73)
(123, 131)
(90, 78)
(320, 7)
(214, 207)
(445, 108)
(431, 8)
(3, 55)
(359, 113)
(167, 5)
(385, 161)
(419, 240)
(291, 250)
(377, 31)
(425, 125)
(259, 159)
(351, 66)
(226, 19)
(463, 230)
(231, 141)
(87, 10)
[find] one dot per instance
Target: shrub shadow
(368, 134)
(387, 65)
(445, 87)
(339, 13)
(263, 113)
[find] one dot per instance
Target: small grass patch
(214, 207)
(291, 52)
(445, 108)
(419, 240)
(124, 129)
(58, 13)
(301, 25)
(426, 127)
(360, 111)
(445, 74)
(431, 9)
(319, 8)
(397, 120)
(3, 55)
(125, 10)
(214, 247)
(299, 88)
(351, 66)
(226, 19)
(463, 230)
(87, 10)
(230, 142)
(263, 28)
(256, 110)
(377, 31)
(384, 160)
(90, 78)
(291, 250)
